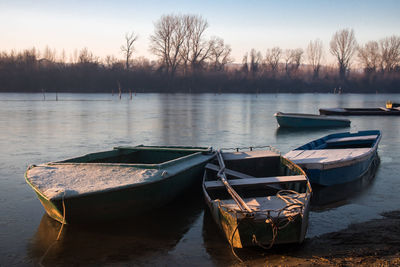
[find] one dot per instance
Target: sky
(101, 25)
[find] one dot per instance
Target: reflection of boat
(265, 201)
(126, 180)
(143, 240)
(326, 197)
(360, 111)
(294, 120)
(337, 158)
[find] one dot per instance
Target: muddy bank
(374, 243)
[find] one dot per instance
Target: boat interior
(132, 156)
(365, 141)
(253, 175)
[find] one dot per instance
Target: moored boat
(382, 111)
(120, 182)
(257, 198)
(337, 158)
(309, 120)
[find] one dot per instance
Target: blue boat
(309, 120)
(337, 158)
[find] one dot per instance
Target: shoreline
(373, 243)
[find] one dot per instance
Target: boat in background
(395, 111)
(120, 182)
(337, 158)
(257, 198)
(309, 120)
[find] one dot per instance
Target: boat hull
(121, 203)
(337, 158)
(249, 232)
(340, 175)
(268, 224)
(359, 112)
(129, 200)
(309, 121)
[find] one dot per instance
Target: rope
(291, 198)
(231, 243)
(58, 236)
(63, 222)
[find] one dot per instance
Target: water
(35, 131)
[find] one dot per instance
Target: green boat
(121, 182)
(257, 198)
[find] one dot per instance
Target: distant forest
(188, 62)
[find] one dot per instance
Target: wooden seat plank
(229, 172)
(256, 181)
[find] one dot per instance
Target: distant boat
(293, 120)
(382, 111)
(337, 158)
(258, 198)
(115, 183)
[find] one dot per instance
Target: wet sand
(374, 243)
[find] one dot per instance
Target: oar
(221, 174)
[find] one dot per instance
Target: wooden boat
(337, 158)
(115, 183)
(382, 111)
(257, 198)
(309, 120)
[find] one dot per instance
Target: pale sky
(101, 25)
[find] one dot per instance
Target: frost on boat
(56, 181)
(122, 181)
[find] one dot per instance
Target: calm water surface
(36, 131)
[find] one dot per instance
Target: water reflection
(284, 131)
(329, 197)
(141, 240)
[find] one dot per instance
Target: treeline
(188, 62)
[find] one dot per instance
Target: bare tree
(127, 48)
(342, 46)
(272, 58)
(219, 53)
(369, 56)
(287, 58)
(167, 40)
(255, 61)
(390, 52)
(49, 54)
(194, 49)
(85, 56)
(245, 65)
(314, 55)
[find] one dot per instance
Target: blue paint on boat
(337, 158)
(309, 120)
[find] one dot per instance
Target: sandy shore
(374, 243)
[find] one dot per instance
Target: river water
(36, 130)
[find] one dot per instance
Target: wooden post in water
(119, 90)
(44, 96)
(56, 96)
(130, 93)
